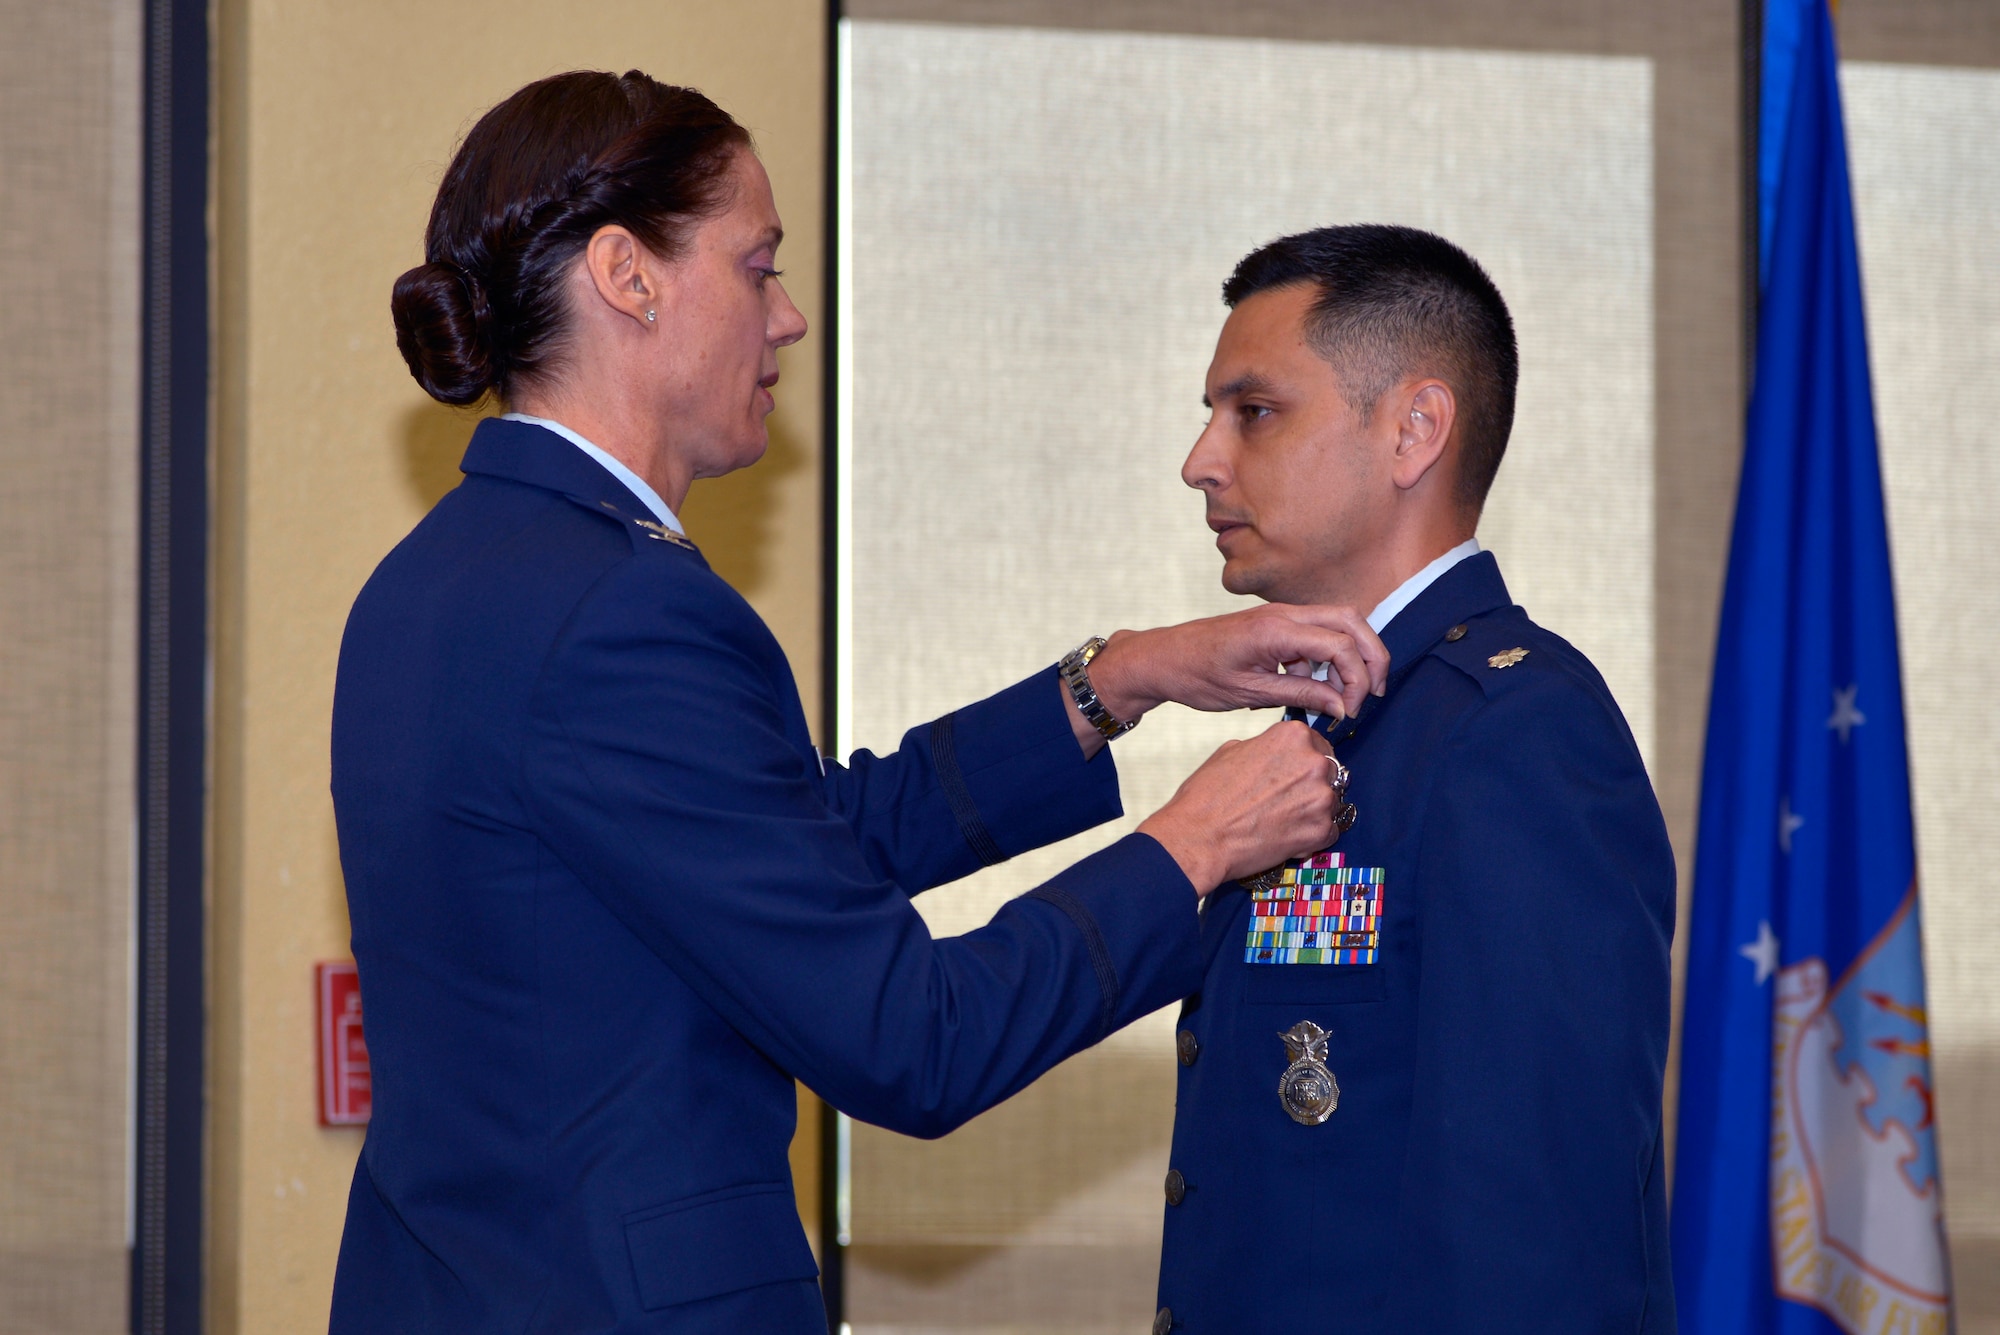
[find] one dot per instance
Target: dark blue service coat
(1494, 1161)
(607, 903)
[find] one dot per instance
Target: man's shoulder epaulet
(1502, 650)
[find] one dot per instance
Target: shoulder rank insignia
(1506, 658)
(1307, 1088)
(657, 532)
(664, 534)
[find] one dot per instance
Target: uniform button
(1163, 1321)
(1187, 1046)
(1176, 1187)
(1455, 634)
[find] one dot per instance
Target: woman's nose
(787, 324)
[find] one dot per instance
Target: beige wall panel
(1700, 285)
(69, 283)
(1041, 221)
(1927, 195)
(1041, 225)
(336, 121)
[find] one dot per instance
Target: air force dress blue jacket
(607, 903)
(1495, 1020)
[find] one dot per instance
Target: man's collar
(1410, 589)
(1470, 588)
(524, 452)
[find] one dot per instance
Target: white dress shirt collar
(1410, 589)
(633, 482)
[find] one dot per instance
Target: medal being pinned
(1307, 1089)
(1343, 821)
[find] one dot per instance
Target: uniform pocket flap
(1314, 984)
(717, 1243)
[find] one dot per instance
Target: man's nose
(1205, 469)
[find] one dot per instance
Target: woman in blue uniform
(607, 900)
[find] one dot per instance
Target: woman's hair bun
(535, 179)
(444, 329)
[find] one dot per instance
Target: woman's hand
(1234, 661)
(1250, 806)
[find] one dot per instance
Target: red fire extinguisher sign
(344, 1092)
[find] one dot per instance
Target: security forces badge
(1307, 1089)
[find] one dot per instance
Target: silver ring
(1339, 779)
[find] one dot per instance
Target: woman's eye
(765, 275)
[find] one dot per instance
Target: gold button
(1163, 1321)
(1176, 1187)
(1187, 1046)
(1455, 634)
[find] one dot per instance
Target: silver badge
(1307, 1089)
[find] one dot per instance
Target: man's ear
(624, 274)
(1426, 411)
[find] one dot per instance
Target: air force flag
(1807, 1194)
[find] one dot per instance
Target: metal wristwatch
(1075, 669)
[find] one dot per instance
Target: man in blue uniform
(1420, 1084)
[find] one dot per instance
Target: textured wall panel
(69, 278)
(1699, 283)
(1927, 195)
(1040, 222)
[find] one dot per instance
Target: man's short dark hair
(1395, 302)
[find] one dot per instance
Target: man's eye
(1254, 411)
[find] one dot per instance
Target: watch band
(1075, 670)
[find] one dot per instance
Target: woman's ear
(1427, 411)
(623, 273)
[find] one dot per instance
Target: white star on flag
(1845, 717)
(1763, 952)
(1789, 822)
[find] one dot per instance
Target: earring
(649, 317)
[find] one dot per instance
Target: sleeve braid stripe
(1093, 940)
(944, 754)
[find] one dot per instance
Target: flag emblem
(1857, 1218)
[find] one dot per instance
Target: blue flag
(1806, 1195)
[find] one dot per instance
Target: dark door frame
(173, 659)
